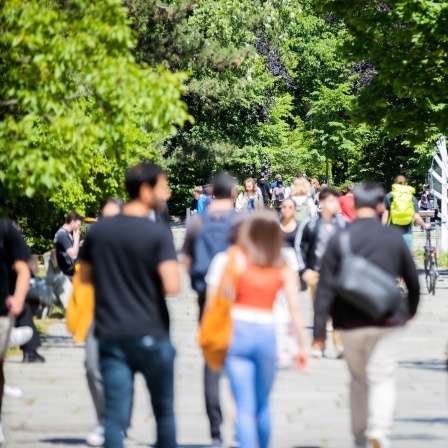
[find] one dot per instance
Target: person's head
(197, 192)
(279, 180)
(260, 238)
(250, 186)
(262, 175)
(301, 187)
(224, 186)
(329, 201)
(315, 183)
(369, 196)
(349, 189)
(288, 208)
(111, 207)
(73, 221)
(401, 180)
(293, 180)
(278, 176)
(147, 183)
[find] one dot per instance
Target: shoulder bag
(216, 327)
(365, 285)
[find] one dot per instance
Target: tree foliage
(72, 96)
(406, 42)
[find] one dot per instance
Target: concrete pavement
(310, 410)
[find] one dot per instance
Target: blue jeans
(120, 359)
(251, 367)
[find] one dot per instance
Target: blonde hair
(315, 183)
(301, 187)
(260, 238)
(254, 184)
(198, 190)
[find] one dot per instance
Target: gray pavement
(310, 410)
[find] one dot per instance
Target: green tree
(72, 97)
(404, 45)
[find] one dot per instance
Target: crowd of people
(352, 252)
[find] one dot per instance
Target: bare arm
(187, 263)
(290, 288)
(420, 221)
(170, 275)
(15, 302)
(210, 295)
(74, 250)
(385, 217)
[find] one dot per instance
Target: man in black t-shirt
(66, 243)
(14, 281)
(132, 264)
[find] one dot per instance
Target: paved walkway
(310, 410)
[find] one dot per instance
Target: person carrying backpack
(304, 204)
(207, 235)
(401, 210)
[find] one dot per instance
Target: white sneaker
(2, 436)
(96, 436)
(13, 392)
(20, 336)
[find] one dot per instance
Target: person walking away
(14, 282)
(250, 199)
(371, 346)
(251, 359)
(278, 195)
(301, 195)
(66, 243)
(206, 236)
(132, 264)
(347, 203)
(265, 188)
(311, 244)
(401, 211)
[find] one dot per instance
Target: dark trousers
(211, 389)
(119, 360)
(26, 320)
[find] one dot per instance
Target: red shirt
(347, 203)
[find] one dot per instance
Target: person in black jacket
(371, 346)
(311, 243)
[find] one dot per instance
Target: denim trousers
(120, 359)
(251, 368)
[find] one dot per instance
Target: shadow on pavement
(65, 441)
(438, 365)
(427, 437)
(432, 421)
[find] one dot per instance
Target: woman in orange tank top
(251, 359)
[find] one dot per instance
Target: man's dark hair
(72, 216)
(369, 195)
(350, 188)
(223, 185)
(327, 192)
(143, 173)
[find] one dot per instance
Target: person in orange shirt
(347, 203)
